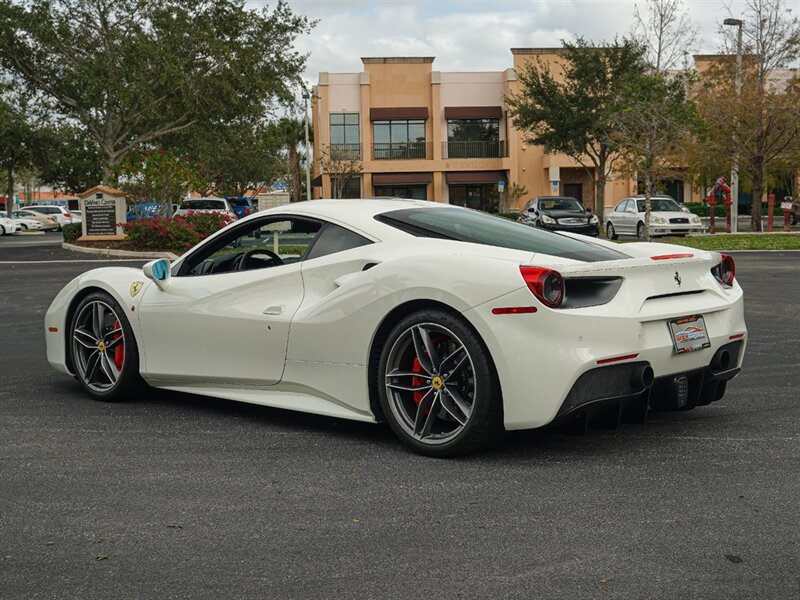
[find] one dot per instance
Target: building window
(345, 134)
(480, 196)
(474, 138)
(417, 192)
(349, 187)
(402, 139)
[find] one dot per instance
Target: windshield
(480, 228)
(660, 205)
(569, 204)
(239, 202)
(204, 205)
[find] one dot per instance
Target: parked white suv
(219, 205)
(59, 213)
(667, 217)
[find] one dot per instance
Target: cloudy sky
(472, 35)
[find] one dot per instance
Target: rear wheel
(611, 233)
(103, 352)
(438, 387)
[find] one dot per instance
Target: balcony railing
(401, 151)
(345, 151)
(474, 149)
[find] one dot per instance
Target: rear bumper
(608, 396)
(540, 358)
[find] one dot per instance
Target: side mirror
(630, 210)
(158, 271)
(684, 209)
(588, 209)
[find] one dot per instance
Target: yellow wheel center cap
(101, 346)
(437, 383)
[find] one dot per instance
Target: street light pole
(308, 153)
(735, 166)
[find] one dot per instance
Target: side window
(622, 205)
(258, 245)
(334, 239)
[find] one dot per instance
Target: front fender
(121, 283)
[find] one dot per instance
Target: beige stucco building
(442, 136)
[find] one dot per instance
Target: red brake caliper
(119, 351)
(417, 381)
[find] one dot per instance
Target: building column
(554, 177)
(439, 193)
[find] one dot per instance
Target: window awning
(475, 177)
(402, 178)
(398, 112)
(317, 181)
(473, 112)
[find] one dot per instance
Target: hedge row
(177, 233)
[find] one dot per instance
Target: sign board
(786, 206)
(100, 215)
(281, 186)
(501, 186)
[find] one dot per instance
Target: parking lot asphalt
(174, 496)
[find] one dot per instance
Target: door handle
(273, 310)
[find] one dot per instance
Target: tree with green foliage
(22, 143)
(653, 124)
(571, 108)
(134, 71)
(289, 133)
(73, 163)
(238, 156)
(160, 176)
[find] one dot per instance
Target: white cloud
(470, 35)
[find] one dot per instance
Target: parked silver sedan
(667, 217)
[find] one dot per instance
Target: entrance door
(574, 190)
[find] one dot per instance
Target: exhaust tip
(721, 360)
(642, 377)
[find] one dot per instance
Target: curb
(110, 252)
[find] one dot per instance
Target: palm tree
(290, 133)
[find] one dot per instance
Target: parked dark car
(560, 213)
(241, 205)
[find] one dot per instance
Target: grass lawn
(722, 241)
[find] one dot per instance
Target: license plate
(689, 334)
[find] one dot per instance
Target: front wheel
(103, 352)
(438, 387)
(2, 230)
(611, 233)
(640, 231)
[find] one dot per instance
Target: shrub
(178, 234)
(511, 215)
(71, 232)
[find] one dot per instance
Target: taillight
(546, 284)
(246, 211)
(727, 270)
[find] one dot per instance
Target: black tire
(640, 231)
(2, 230)
(611, 233)
(128, 383)
(484, 424)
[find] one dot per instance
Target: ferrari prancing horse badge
(136, 287)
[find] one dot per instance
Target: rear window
(239, 202)
(480, 228)
(204, 205)
(48, 210)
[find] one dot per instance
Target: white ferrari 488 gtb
(450, 324)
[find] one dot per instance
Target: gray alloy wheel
(103, 353)
(611, 233)
(438, 388)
